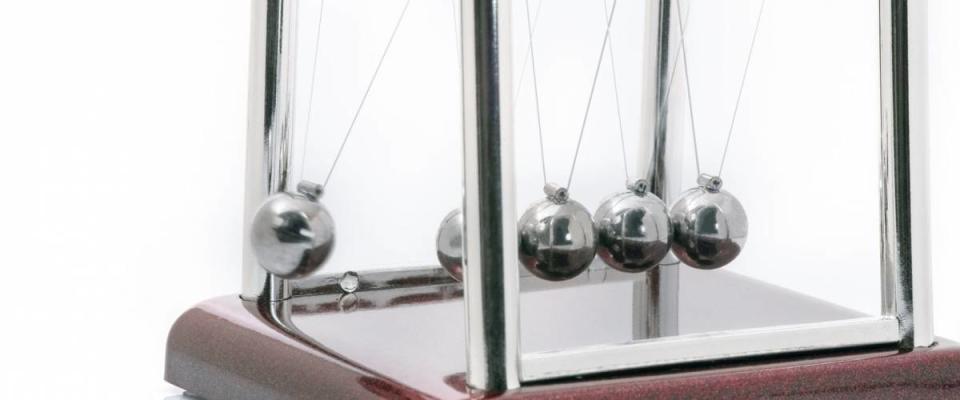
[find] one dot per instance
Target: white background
(122, 156)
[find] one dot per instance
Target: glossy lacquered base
(408, 344)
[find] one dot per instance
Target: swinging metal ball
(709, 226)
(633, 230)
(450, 244)
(292, 235)
(557, 239)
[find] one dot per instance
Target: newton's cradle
(652, 291)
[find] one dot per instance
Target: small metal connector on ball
(293, 234)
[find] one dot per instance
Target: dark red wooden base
(225, 348)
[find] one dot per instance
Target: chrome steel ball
(633, 231)
(450, 244)
(557, 239)
(709, 226)
(292, 235)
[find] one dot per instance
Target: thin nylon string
(673, 74)
(743, 80)
(616, 96)
(366, 93)
(456, 31)
(686, 73)
(536, 92)
(313, 80)
(526, 54)
(663, 103)
(593, 87)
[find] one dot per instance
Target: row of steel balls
(632, 231)
(292, 235)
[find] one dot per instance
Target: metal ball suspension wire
(743, 80)
(710, 225)
(616, 91)
(673, 73)
(363, 99)
(526, 59)
(527, 53)
(313, 85)
(593, 87)
(456, 30)
(633, 228)
(616, 97)
(536, 91)
(458, 44)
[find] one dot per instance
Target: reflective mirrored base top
(409, 343)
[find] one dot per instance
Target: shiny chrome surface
(491, 279)
(269, 128)
(556, 193)
(633, 230)
(492, 302)
(349, 282)
(709, 227)
(279, 359)
(292, 236)
(434, 275)
(656, 294)
(557, 240)
(758, 304)
(313, 191)
(376, 280)
(921, 264)
(906, 319)
(710, 182)
(710, 346)
(904, 178)
(450, 244)
(423, 310)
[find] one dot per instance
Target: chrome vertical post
(269, 129)
(491, 280)
(904, 187)
(655, 293)
(921, 264)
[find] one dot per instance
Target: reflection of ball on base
(292, 236)
(633, 231)
(557, 240)
(450, 244)
(709, 227)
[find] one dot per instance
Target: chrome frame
(656, 292)
(269, 130)
(904, 186)
(725, 345)
(905, 268)
(491, 273)
(492, 288)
